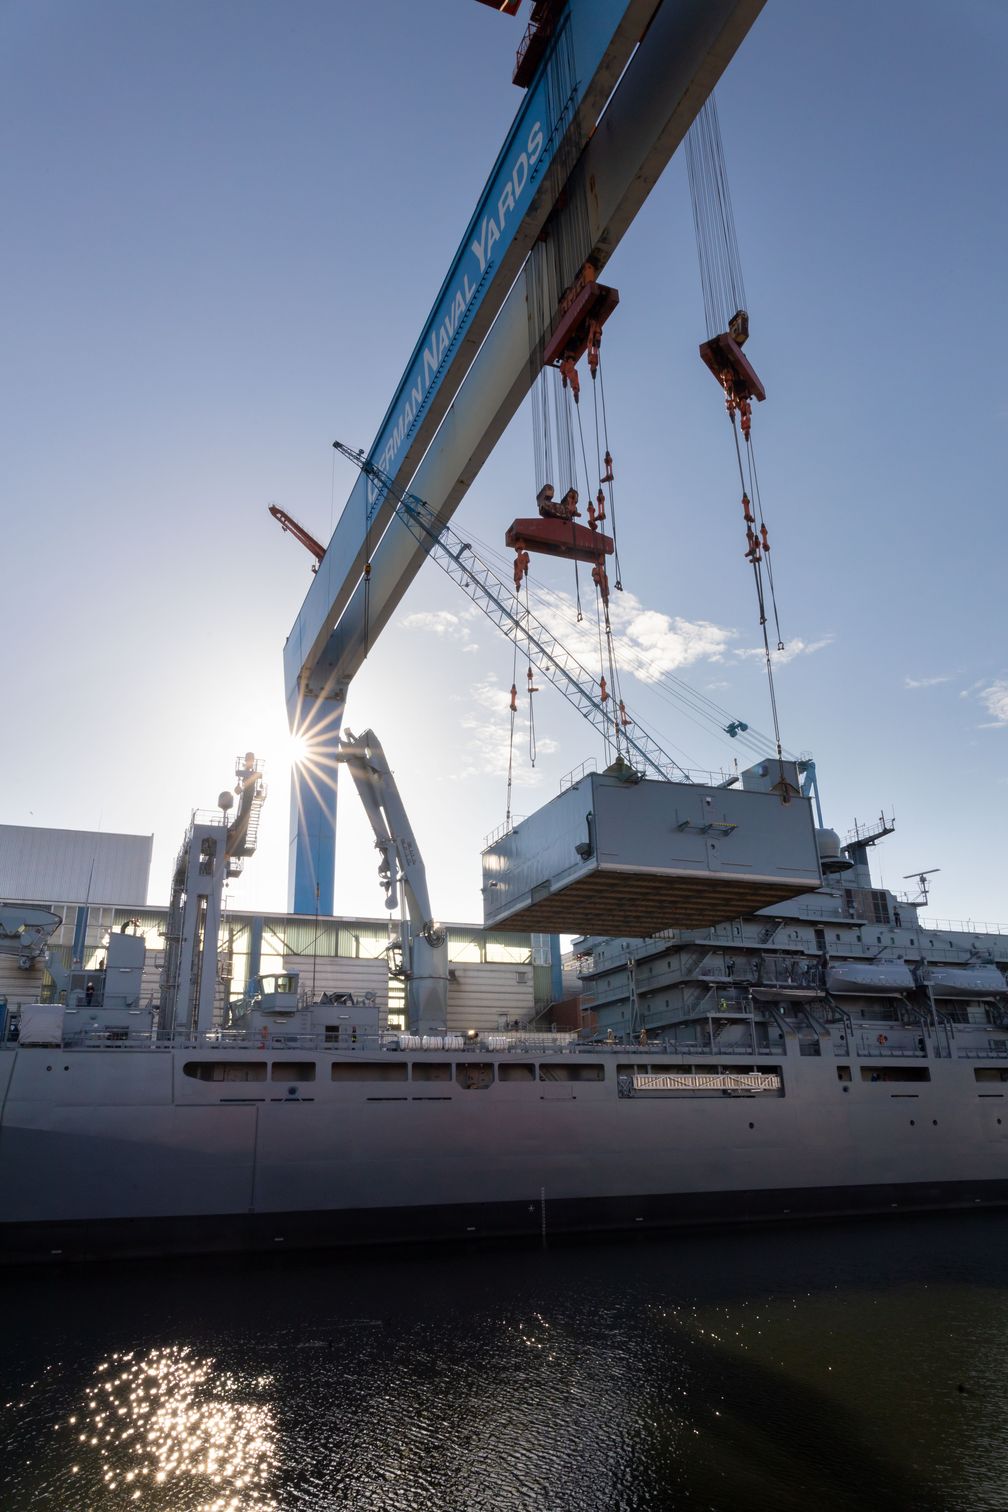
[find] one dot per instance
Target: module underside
(636, 904)
(608, 857)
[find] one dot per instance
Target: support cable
(609, 483)
(755, 493)
(487, 590)
(755, 557)
(514, 711)
(725, 311)
(556, 608)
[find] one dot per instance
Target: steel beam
(596, 39)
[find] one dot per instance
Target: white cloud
(488, 727)
(648, 643)
(925, 682)
(792, 648)
(437, 621)
(651, 644)
(995, 699)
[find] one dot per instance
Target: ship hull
(145, 1238)
(128, 1153)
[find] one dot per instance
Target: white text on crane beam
(491, 230)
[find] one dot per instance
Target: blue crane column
(311, 870)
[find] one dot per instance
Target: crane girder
(684, 52)
(526, 180)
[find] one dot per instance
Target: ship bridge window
(895, 1074)
(509, 1072)
(226, 1071)
(369, 1071)
(991, 1073)
(474, 1076)
(293, 1071)
(571, 1073)
(430, 1071)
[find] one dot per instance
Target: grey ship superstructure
(848, 969)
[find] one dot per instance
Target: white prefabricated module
(630, 858)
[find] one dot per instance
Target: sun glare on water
(169, 1418)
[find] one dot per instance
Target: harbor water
(849, 1365)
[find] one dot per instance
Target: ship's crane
(425, 943)
(212, 851)
(491, 594)
(287, 522)
(25, 931)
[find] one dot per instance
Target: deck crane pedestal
(424, 942)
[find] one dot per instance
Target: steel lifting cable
(727, 330)
(367, 569)
(607, 479)
(532, 689)
(755, 556)
(514, 711)
(600, 578)
(700, 709)
(563, 399)
(713, 220)
(755, 495)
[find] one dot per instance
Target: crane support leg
(311, 868)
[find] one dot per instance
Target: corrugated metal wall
(341, 974)
(19, 986)
(485, 994)
(77, 866)
(487, 997)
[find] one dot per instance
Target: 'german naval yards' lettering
(456, 304)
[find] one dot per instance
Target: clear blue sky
(223, 227)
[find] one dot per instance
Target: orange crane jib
(732, 368)
(298, 532)
(591, 306)
(559, 538)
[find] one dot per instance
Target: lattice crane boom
(492, 595)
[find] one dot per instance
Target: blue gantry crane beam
(614, 93)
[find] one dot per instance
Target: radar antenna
(921, 878)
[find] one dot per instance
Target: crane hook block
(578, 323)
(559, 538)
(558, 509)
(732, 368)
